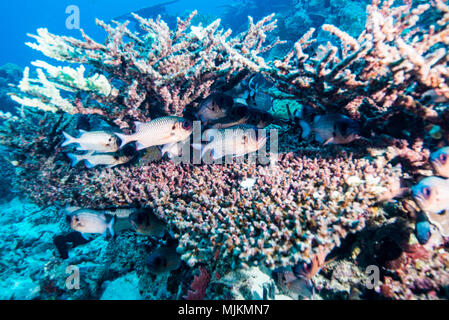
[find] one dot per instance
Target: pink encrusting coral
(199, 286)
(296, 205)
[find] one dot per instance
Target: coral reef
(283, 218)
(391, 67)
(246, 218)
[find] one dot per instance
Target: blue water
(17, 18)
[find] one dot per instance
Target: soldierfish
(432, 196)
(158, 132)
(236, 141)
(99, 141)
(92, 160)
(163, 259)
(440, 162)
(89, 221)
(332, 128)
(146, 223)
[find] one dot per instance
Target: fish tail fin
(68, 139)
(75, 158)
(125, 139)
(111, 226)
(328, 141)
(306, 129)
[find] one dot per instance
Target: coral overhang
(306, 201)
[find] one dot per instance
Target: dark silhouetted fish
(216, 106)
(332, 128)
(164, 259)
(73, 238)
(149, 12)
(145, 222)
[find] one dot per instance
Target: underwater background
(227, 150)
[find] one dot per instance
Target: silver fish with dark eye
(236, 141)
(432, 196)
(92, 160)
(158, 132)
(332, 129)
(440, 162)
(89, 221)
(216, 106)
(99, 141)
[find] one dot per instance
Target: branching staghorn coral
(136, 72)
(389, 67)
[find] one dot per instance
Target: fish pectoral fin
(111, 226)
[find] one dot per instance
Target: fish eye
(186, 125)
(344, 128)
(427, 192)
(443, 158)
